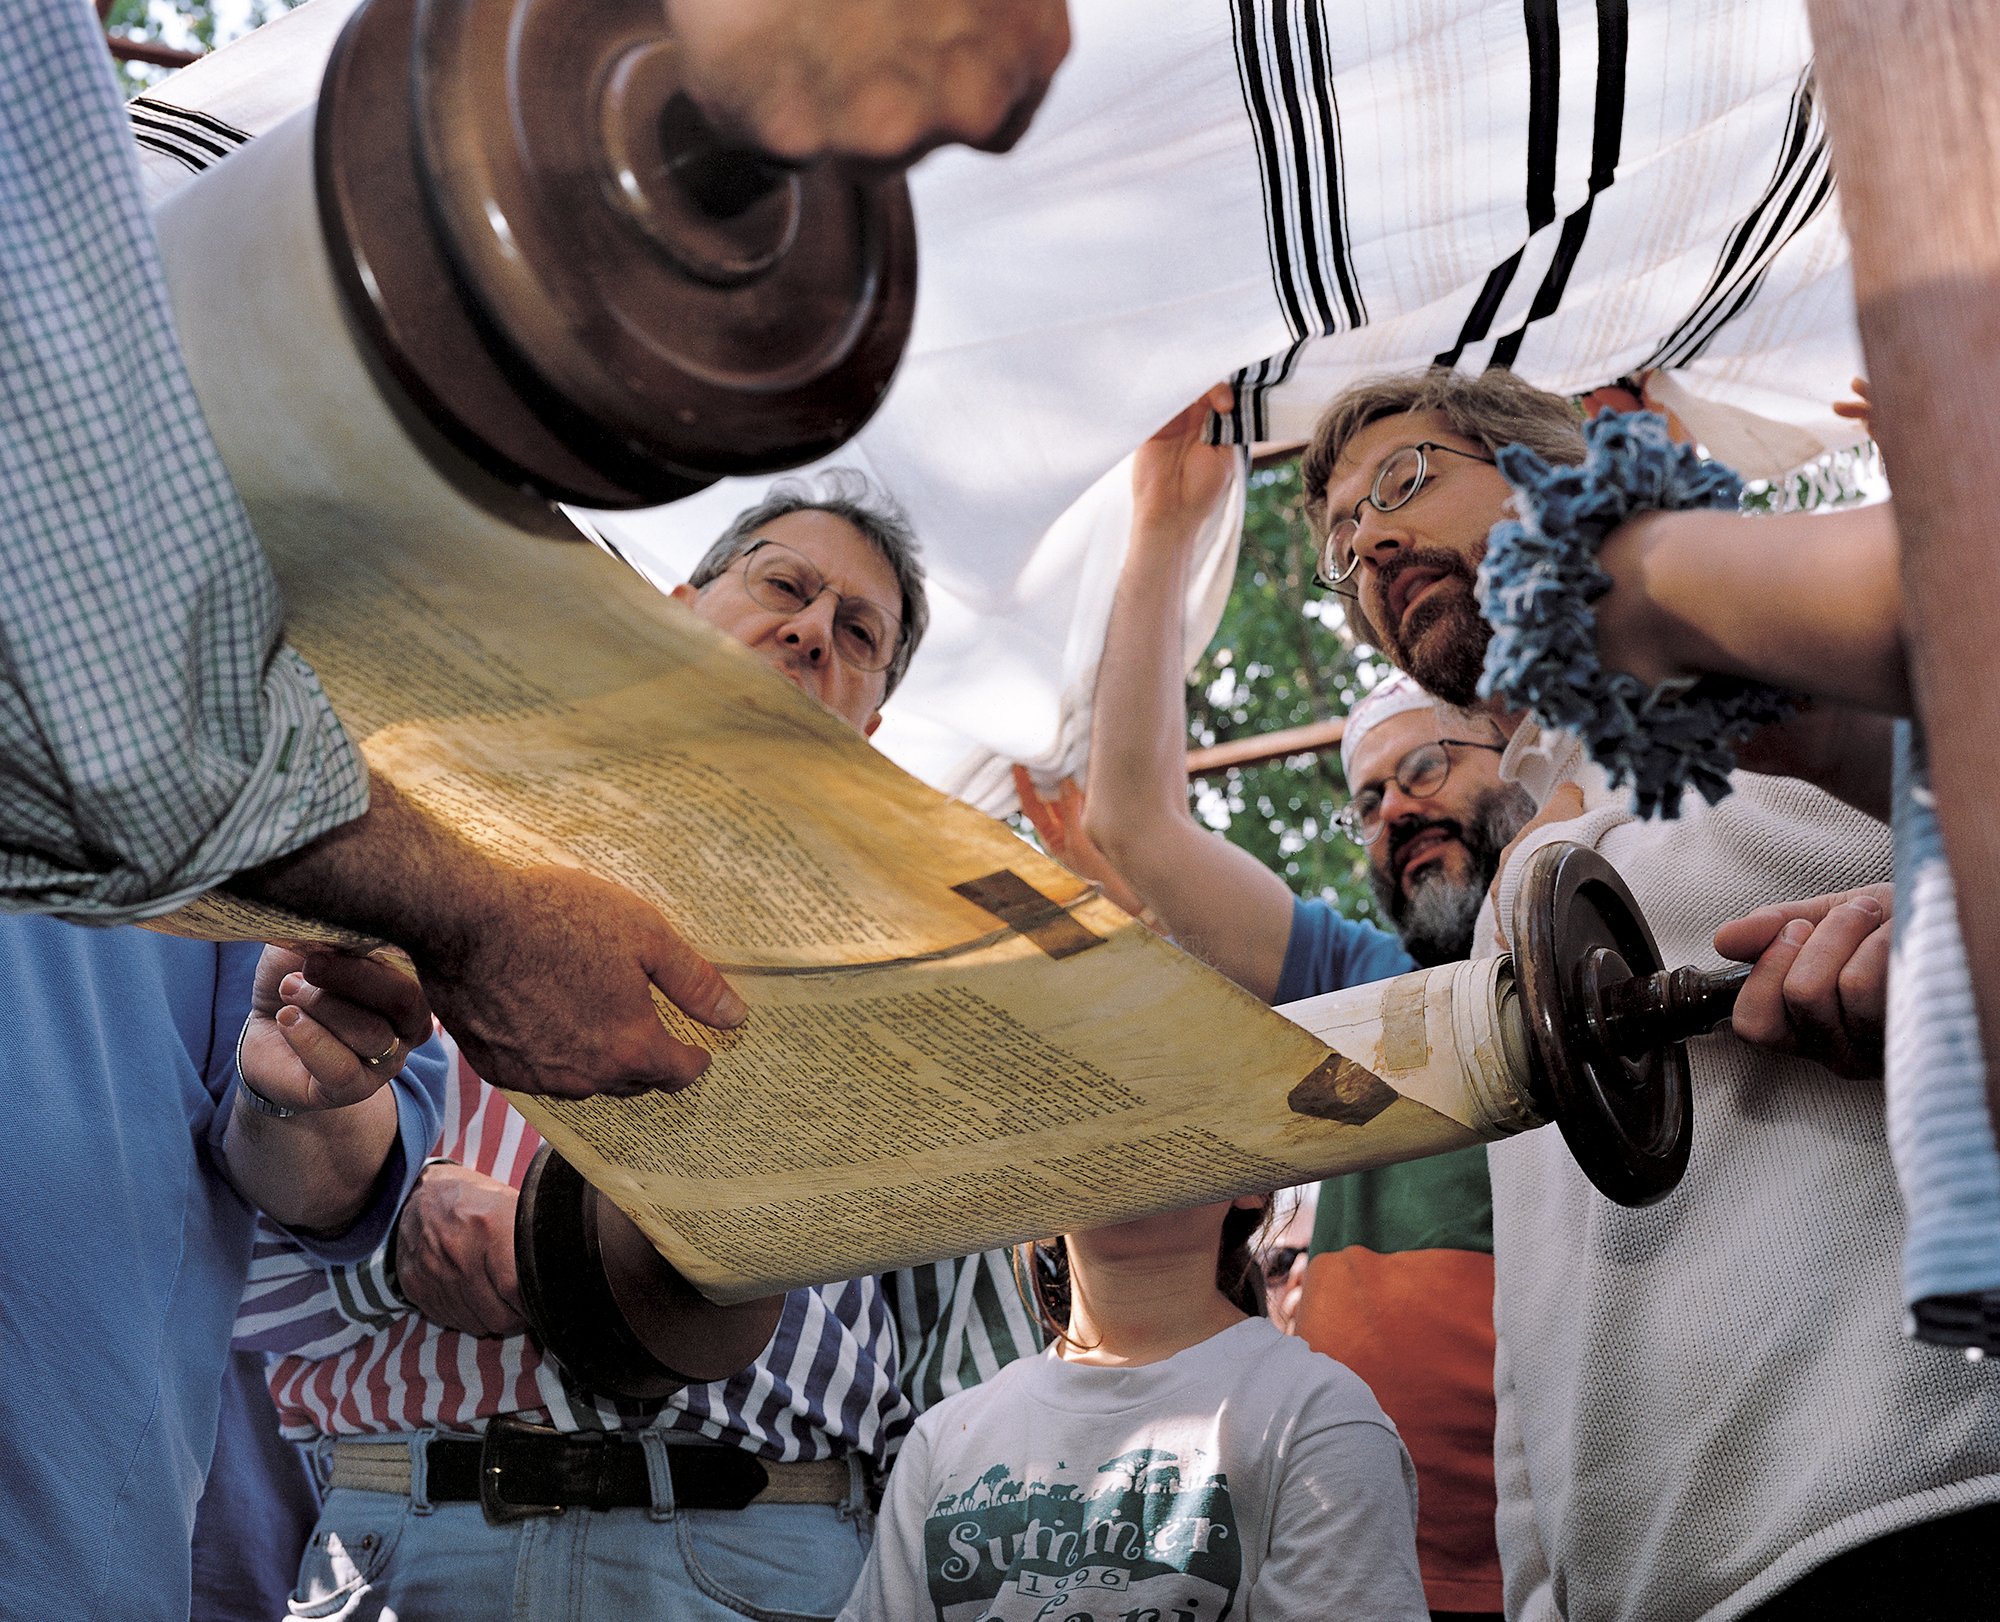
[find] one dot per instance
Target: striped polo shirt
(354, 1358)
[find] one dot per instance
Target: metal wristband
(256, 1100)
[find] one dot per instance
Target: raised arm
(1214, 899)
(1914, 120)
(1808, 601)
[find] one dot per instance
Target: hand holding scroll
(455, 1251)
(552, 991)
(1821, 985)
(545, 976)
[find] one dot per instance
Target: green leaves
(1279, 660)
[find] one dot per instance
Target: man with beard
(1672, 1382)
(1428, 873)
(1400, 1284)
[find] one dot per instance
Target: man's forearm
(1913, 111)
(1217, 901)
(316, 1171)
(1138, 733)
(1809, 602)
(547, 976)
(393, 873)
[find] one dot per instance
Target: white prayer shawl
(1289, 194)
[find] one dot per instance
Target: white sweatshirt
(1702, 1400)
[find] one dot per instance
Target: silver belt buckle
(494, 1504)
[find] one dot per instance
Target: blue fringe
(1536, 586)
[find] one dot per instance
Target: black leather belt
(516, 1470)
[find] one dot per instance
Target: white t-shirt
(1248, 1477)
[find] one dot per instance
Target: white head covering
(1384, 699)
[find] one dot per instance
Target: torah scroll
(954, 1042)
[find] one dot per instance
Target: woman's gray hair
(850, 494)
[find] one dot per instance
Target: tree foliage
(1279, 660)
(190, 25)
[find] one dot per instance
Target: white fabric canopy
(1291, 194)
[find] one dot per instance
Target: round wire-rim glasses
(865, 634)
(1419, 774)
(1397, 482)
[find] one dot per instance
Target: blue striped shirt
(356, 1359)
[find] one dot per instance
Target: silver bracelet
(256, 1100)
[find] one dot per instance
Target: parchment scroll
(953, 1043)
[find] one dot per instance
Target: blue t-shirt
(125, 1254)
(1327, 952)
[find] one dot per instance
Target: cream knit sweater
(1702, 1400)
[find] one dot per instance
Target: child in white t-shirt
(1170, 1458)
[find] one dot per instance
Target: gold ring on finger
(385, 1055)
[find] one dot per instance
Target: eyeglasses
(865, 634)
(1397, 482)
(1419, 774)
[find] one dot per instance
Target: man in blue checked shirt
(157, 738)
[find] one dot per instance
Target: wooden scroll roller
(1583, 1027)
(503, 262)
(609, 1307)
(1608, 1024)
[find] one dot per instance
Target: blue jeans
(382, 1556)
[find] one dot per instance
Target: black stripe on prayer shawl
(1257, 103)
(1247, 422)
(1606, 139)
(194, 138)
(191, 117)
(1799, 188)
(1333, 172)
(1285, 70)
(197, 161)
(1544, 123)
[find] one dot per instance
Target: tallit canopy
(1289, 194)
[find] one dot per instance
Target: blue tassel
(1536, 586)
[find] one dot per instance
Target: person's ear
(874, 721)
(684, 593)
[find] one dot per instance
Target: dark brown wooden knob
(609, 1307)
(1607, 1030)
(570, 280)
(1641, 1012)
